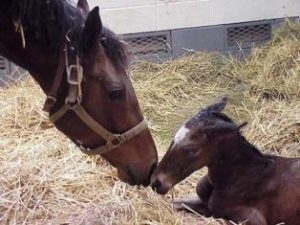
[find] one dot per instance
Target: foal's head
(193, 146)
(109, 98)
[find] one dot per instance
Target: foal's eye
(190, 151)
(115, 95)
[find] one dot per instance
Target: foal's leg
(200, 203)
(248, 216)
(204, 189)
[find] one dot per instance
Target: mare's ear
(92, 30)
(83, 6)
(222, 127)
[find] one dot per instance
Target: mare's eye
(190, 151)
(115, 95)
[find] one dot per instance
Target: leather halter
(73, 103)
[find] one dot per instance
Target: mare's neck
(40, 62)
(45, 25)
(237, 160)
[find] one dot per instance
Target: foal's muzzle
(160, 183)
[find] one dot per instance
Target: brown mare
(242, 185)
(82, 68)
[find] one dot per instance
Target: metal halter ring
(114, 141)
(79, 77)
(72, 104)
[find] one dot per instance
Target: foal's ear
(218, 106)
(92, 30)
(83, 6)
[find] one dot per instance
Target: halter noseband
(73, 103)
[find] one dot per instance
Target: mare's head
(193, 146)
(107, 95)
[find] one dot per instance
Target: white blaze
(181, 134)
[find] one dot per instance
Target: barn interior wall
(136, 16)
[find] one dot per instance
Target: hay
(45, 179)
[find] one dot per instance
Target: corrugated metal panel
(236, 38)
(245, 34)
(150, 46)
(9, 72)
(4, 66)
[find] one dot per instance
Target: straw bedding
(45, 179)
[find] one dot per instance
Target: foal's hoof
(179, 205)
(192, 205)
(186, 203)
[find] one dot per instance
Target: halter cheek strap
(51, 97)
(73, 103)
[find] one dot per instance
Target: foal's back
(285, 205)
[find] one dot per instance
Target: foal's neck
(236, 159)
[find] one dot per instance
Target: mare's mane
(50, 20)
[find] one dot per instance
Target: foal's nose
(160, 184)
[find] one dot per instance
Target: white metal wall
(134, 16)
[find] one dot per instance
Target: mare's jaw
(133, 174)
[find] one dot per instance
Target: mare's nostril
(153, 167)
(150, 172)
(156, 184)
(131, 175)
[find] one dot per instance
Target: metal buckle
(78, 78)
(115, 141)
(49, 103)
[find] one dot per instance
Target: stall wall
(135, 16)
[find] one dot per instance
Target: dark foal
(242, 185)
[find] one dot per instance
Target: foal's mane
(222, 116)
(49, 20)
(251, 147)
